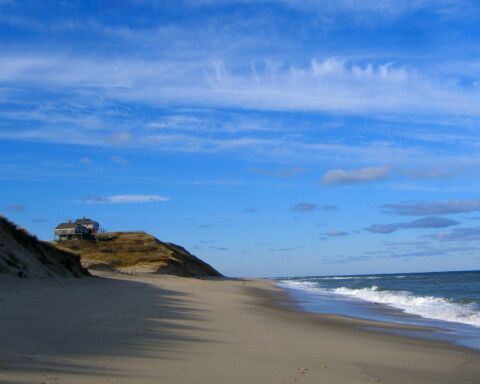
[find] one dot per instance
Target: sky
(269, 138)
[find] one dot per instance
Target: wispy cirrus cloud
(433, 208)
(423, 223)
(430, 251)
(280, 146)
(377, 11)
(355, 176)
(459, 234)
(309, 207)
(336, 233)
(124, 199)
(330, 84)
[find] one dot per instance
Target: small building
(71, 231)
(92, 225)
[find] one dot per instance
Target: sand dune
(133, 252)
(23, 255)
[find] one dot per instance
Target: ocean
(448, 301)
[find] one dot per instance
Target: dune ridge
(23, 255)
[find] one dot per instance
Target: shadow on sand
(78, 326)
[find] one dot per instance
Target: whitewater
(445, 296)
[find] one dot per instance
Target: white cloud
(332, 84)
(362, 175)
(125, 199)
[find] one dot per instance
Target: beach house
(92, 225)
(76, 230)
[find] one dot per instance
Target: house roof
(66, 226)
(84, 221)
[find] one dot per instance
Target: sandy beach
(153, 329)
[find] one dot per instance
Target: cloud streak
(423, 223)
(309, 207)
(359, 9)
(459, 234)
(433, 208)
(355, 176)
(330, 84)
(304, 207)
(336, 233)
(125, 199)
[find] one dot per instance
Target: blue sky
(270, 138)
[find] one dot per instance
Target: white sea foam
(301, 284)
(336, 278)
(425, 306)
(348, 278)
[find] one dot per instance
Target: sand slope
(23, 255)
(159, 329)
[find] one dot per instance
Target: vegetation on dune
(139, 250)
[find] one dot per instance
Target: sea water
(447, 301)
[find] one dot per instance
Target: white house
(79, 229)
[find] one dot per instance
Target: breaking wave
(425, 306)
(348, 278)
